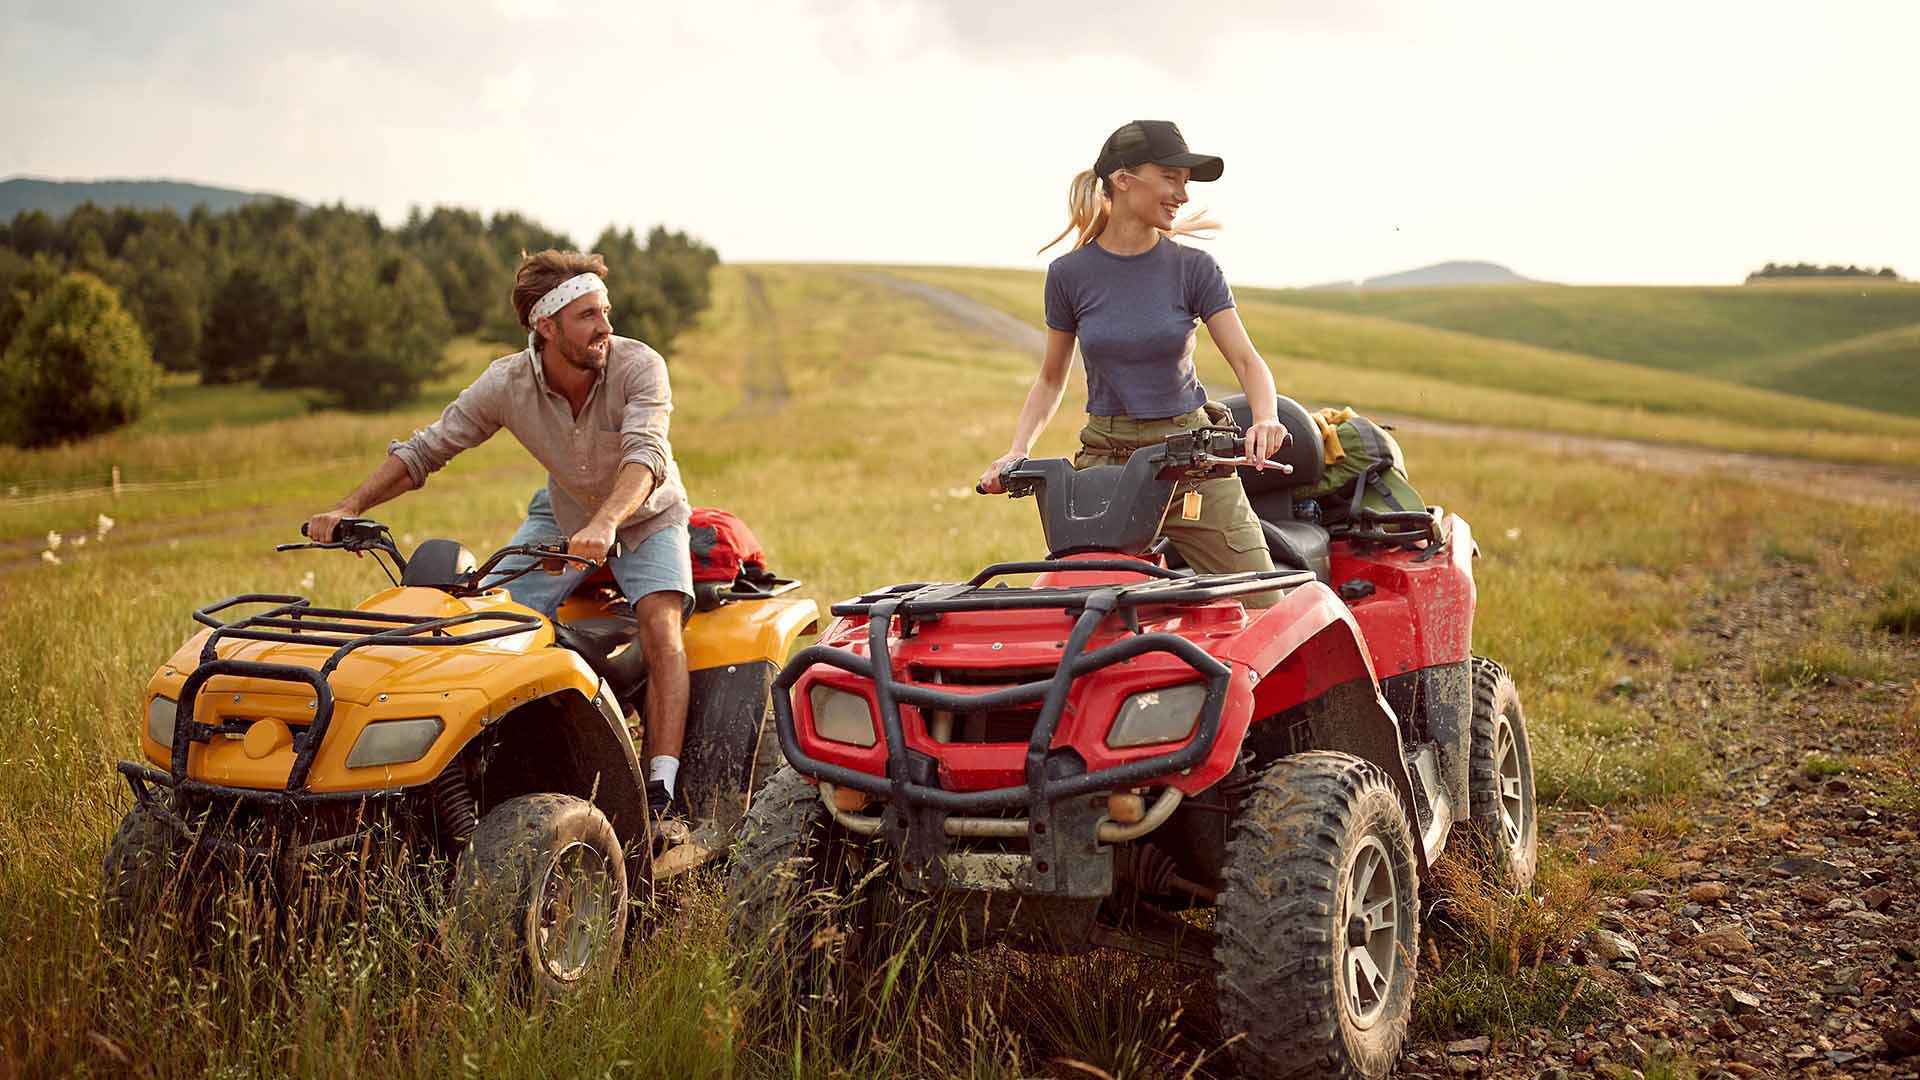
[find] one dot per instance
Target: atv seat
(599, 642)
(1306, 453)
(1294, 544)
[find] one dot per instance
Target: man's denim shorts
(660, 563)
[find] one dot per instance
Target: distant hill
(57, 198)
(1850, 340)
(1458, 272)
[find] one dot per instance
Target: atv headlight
(1157, 716)
(391, 742)
(160, 712)
(841, 717)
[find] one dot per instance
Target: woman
(1129, 295)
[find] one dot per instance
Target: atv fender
(1316, 689)
(570, 744)
(733, 653)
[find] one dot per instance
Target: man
(593, 409)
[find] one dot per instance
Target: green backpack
(1372, 476)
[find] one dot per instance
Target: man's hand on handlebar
(592, 542)
(1265, 438)
(320, 527)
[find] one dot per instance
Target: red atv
(1090, 759)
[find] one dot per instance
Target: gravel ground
(1781, 936)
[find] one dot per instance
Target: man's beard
(581, 356)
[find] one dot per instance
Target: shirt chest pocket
(607, 445)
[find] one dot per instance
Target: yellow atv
(442, 719)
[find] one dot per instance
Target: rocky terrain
(1779, 932)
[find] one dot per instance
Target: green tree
(249, 326)
(79, 366)
(374, 330)
(22, 280)
(454, 246)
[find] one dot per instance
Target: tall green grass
(862, 479)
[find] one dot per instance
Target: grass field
(1381, 364)
(861, 478)
(1855, 342)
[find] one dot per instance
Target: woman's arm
(1266, 434)
(1043, 400)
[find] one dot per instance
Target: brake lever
(1209, 461)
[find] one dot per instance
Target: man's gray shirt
(1133, 316)
(624, 420)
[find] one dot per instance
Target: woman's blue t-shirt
(1134, 317)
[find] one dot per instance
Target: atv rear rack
(910, 783)
(295, 621)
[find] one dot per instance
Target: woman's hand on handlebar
(989, 482)
(1264, 438)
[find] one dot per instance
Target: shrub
(77, 367)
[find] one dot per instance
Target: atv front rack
(1168, 587)
(911, 781)
(295, 621)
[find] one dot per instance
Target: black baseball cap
(1156, 141)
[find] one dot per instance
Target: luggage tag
(1190, 506)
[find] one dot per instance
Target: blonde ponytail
(1086, 210)
(1090, 205)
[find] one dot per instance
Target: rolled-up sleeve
(470, 420)
(643, 424)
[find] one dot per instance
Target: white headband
(565, 293)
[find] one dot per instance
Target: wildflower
(53, 541)
(49, 557)
(406, 539)
(306, 580)
(102, 526)
(80, 541)
(1513, 534)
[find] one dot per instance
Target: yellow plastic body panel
(735, 633)
(748, 630)
(468, 687)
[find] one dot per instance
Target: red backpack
(723, 547)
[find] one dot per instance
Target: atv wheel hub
(1513, 805)
(575, 910)
(1373, 911)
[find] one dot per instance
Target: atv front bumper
(1066, 826)
(285, 823)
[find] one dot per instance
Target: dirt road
(1868, 484)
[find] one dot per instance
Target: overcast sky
(1622, 141)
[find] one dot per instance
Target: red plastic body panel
(1421, 613)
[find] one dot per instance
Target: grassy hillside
(1377, 363)
(1826, 339)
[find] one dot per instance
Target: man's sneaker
(669, 817)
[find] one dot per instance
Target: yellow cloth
(1329, 421)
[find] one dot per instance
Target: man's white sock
(664, 769)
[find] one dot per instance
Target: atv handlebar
(1199, 454)
(360, 535)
